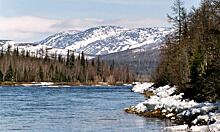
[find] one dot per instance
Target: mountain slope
(106, 39)
(76, 40)
(59, 40)
(142, 61)
(95, 41)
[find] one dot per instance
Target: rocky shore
(188, 115)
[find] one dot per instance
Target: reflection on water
(71, 109)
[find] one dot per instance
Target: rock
(154, 113)
(203, 120)
(138, 109)
(141, 108)
(148, 93)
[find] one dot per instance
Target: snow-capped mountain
(105, 39)
(102, 40)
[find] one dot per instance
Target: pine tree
(27, 54)
(72, 60)
(82, 60)
(99, 66)
(1, 76)
(68, 58)
(8, 49)
(46, 57)
(60, 59)
(2, 53)
(9, 74)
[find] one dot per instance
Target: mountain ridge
(101, 40)
(104, 40)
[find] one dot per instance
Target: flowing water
(72, 109)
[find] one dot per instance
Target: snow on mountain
(76, 40)
(33, 48)
(94, 41)
(106, 39)
(59, 40)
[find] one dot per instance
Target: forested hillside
(191, 57)
(21, 67)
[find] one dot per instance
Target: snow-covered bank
(141, 87)
(215, 127)
(166, 104)
(38, 84)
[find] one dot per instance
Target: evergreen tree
(2, 52)
(8, 49)
(99, 66)
(9, 74)
(72, 59)
(82, 60)
(1, 76)
(46, 57)
(60, 59)
(27, 54)
(68, 58)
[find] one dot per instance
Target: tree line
(18, 66)
(191, 57)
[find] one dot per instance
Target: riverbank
(163, 102)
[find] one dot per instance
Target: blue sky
(32, 20)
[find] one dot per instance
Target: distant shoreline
(63, 84)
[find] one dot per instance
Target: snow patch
(140, 88)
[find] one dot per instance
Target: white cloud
(27, 24)
(30, 28)
(142, 22)
(81, 24)
(126, 2)
(26, 28)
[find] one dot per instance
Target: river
(72, 109)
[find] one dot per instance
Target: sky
(34, 20)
